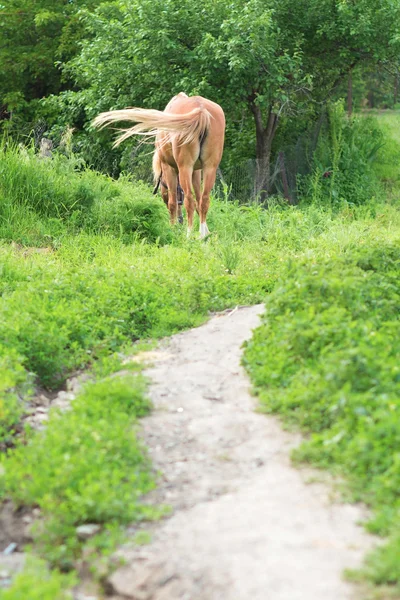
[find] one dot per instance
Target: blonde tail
(156, 167)
(157, 172)
(188, 126)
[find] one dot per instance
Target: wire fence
(288, 165)
(237, 182)
(240, 182)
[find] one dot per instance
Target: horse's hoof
(204, 231)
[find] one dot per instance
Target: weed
(230, 255)
(343, 162)
(142, 538)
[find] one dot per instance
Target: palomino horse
(189, 137)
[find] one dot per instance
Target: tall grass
(41, 198)
(387, 167)
(343, 162)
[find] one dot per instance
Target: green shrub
(133, 213)
(387, 165)
(14, 384)
(61, 189)
(342, 162)
(48, 187)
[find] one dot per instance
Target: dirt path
(245, 524)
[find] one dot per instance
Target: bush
(131, 212)
(13, 386)
(47, 187)
(342, 162)
(61, 189)
(37, 582)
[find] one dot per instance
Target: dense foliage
(99, 432)
(35, 37)
(344, 160)
(270, 64)
(60, 190)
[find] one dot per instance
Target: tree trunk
(264, 139)
(371, 99)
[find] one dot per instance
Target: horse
(189, 137)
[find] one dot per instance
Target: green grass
(326, 360)
(86, 467)
(37, 582)
(82, 303)
(89, 293)
(42, 200)
(88, 266)
(387, 166)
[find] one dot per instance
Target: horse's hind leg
(171, 180)
(197, 187)
(209, 175)
(185, 178)
(180, 198)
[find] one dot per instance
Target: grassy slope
(326, 360)
(78, 304)
(114, 272)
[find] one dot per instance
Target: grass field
(89, 266)
(326, 360)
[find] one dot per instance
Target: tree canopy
(36, 38)
(267, 62)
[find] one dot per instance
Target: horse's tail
(187, 126)
(156, 166)
(157, 171)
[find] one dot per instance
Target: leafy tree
(35, 35)
(279, 57)
(263, 60)
(267, 62)
(382, 85)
